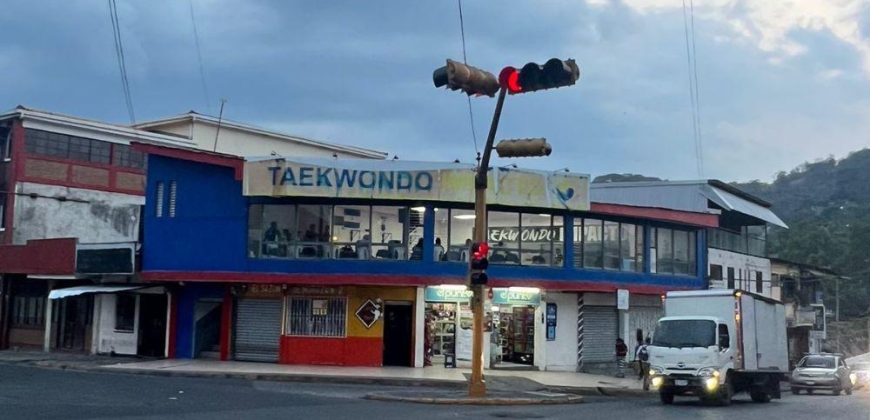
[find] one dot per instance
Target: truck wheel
(667, 397)
(849, 391)
(725, 393)
(795, 391)
(759, 396)
(836, 391)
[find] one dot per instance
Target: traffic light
(554, 73)
(471, 80)
(479, 256)
(523, 148)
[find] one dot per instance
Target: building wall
(748, 265)
(561, 354)
(108, 339)
(89, 215)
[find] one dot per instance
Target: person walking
(642, 357)
(621, 352)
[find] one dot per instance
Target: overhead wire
(122, 62)
(692, 91)
(199, 58)
(697, 89)
(465, 61)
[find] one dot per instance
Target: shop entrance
(398, 321)
(152, 325)
(73, 320)
(440, 330)
(514, 340)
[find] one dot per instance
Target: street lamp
(476, 82)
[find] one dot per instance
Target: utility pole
(473, 81)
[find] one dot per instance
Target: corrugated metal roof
(693, 196)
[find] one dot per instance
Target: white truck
(715, 343)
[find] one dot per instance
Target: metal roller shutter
(643, 318)
(599, 341)
(258, 329)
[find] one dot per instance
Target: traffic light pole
(477, 386)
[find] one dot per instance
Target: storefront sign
(516, 297)
(445, 294)
(316, 291)
(413, 181)
(368, 313)
(263, 291)
(527, 234)
(551, 321)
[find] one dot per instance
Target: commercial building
(71, 194)
(736, 248)
(362, 263)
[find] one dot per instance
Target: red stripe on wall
(687, 217)
(347, 351)
(398, 280)
(226, 325)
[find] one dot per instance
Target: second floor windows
(62, 146)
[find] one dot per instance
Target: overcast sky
(781, 82)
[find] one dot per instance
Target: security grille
(317, 317)
(258, 329)
(599, 341)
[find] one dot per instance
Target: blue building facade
(261, 274)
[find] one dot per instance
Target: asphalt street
(36, 393)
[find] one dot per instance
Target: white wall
(92, 216)
(747, 263)
(108, 340)
(561, 354)
(242, 143)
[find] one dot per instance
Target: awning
(80, 290)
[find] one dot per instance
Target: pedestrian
(621, 352)
(642, 357)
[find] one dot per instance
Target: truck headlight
(853, 378)
(711, 383)
(656, 370)
(657, 381)
(708, 371)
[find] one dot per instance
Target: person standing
(621, 352)
(642, 357)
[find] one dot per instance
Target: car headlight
(853, 378)
(708, 371)
(656, 370)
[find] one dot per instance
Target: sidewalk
(566, 382)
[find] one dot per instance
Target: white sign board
(622, 299)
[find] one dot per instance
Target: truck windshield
(685, 333)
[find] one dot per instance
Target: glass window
(415, 232)
(351, 232)
(653, 250)
(593, 232)
(558, 241)
(730, 277)
(274, 227)
(461, 232)
(504, 237)
(715, 272)
(28, 311)
(79, 148)
(611, 245)
(442, 235)
(125, 156)
(5, 140)
(125, 312)
(101, 152)
(681, 252)
(317, 316)
(664, 250)
(47, 144)
(256, 247)
(759, 282)
(390, 232)
(536, 239)
(631, 247)
(313, 231)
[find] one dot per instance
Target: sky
(780, 82)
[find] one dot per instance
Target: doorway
(152, 325)
(515, 336)
(74, 316)
(398, 321)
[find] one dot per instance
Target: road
(34, 393)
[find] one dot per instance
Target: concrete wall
(561, 354)
(92, 216)
(747, 263)
(108, 339)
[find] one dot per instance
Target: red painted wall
(39, 256)
(226, 325)
(348, 351)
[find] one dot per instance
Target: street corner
(492, 399)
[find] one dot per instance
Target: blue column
(428, 233)
(647, 245)
(568, 239)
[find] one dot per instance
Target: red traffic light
(509, 78)
(480, 250)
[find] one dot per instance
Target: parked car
(822, 372)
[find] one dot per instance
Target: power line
(122, 62)
(199, 58)
(697, 89)
(692, 94)
(465, 61)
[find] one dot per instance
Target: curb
(597, 391)
(500, 401)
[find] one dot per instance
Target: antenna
(220, 119)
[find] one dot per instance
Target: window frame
(343, 318)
